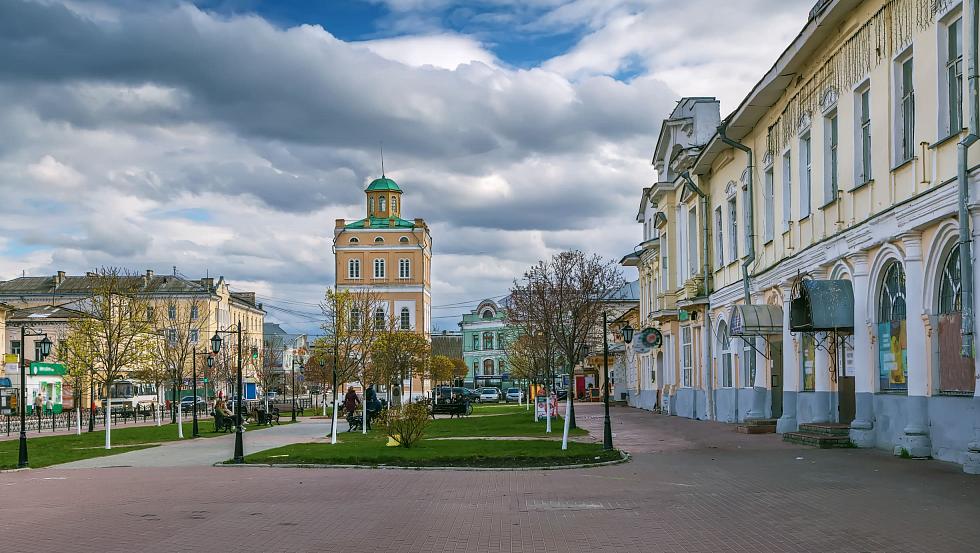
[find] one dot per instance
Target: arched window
(371, 205)
(487, 314)
(354, 240)
(394, 203)
(381, 203)
(405, 318)
(379, 268)
(949, 284)
(379, 240)
(487, 340)
(355, 319)
(354, 268)
(488, 367)
(725, 341)
(956, 373)
(379, 318)
(892, 341)
(404, 268)
(403, 240)
(500, 367)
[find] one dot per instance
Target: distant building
(282, 351)
(485, 337)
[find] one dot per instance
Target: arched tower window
(354, 240)
(892, 340)
(381, 204)
(956, 374)
(354, 268)
(405, 319)
(488, 367)
(394, 204)
(379, 268)
(379, 318)
(403, 240)
(487, 314)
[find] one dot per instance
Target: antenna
(382, 146)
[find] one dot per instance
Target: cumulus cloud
(154, 135)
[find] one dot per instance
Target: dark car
(445, 393)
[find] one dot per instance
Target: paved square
(691, 486)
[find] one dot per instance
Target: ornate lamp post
(215, 348)
(45, 350)
(293, 388)
(194, 354)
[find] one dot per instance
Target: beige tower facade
(388, 255)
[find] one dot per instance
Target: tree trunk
(108, 416)
(568, 422)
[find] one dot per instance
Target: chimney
(208, 283)
(340, 223)
(247, 296)
(59, 278)
(149, 273)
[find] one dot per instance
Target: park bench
(222, 423)
(458, 408)
(287, 408)
(355, 420)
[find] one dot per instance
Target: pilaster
(916, 441)
(862, 427)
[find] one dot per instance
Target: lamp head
(215, 343)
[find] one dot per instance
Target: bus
(130, 394)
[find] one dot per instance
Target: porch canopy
(823, 306)
(756, 320)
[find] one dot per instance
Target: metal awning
(823, 305)
(756, 320)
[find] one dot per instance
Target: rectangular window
(726, 368)
(172, 312)
(194, 312)
(732, 231)
(404, 268)
(830, 158)
(194, 335)
(719, 239)
(149, 313)
(172, 335)
(15, 347)
(769, 195)
(787, 191)
(893, 355)
(805, 172)
(954, 76)
(862, 158)
(692, 242)
(906, 112)
(476, 343)
(664, 269)
(687, 356)
(808, 358)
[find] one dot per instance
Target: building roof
(83, 285)
(449, 344)
(384, 183)
(378, 222)
(627, 292)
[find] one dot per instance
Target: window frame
(404, 268)
(904, 108)
(692, 242)
(951, 75)
(687, 357)
(806, 174)
(379, 268)
(787, 158)
(719, 238)
(769, 205)
(732, 206)
(354, 269)
(831, 140)
(863, 160)
(405, 319)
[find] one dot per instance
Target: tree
(442, 369)
(459, 368)
(180, 324)
(564, 297)
(350, 328)
(117, 331)
(269, 372)
(79, 359)
(315, 374)
(397, 355)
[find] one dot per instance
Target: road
(691, 487)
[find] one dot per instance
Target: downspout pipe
(971, 464)
(759, 393)
(706, 272)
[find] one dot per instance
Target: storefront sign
(47, 369)
(11, 358)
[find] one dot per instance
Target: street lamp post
(607, 443)
(45, 351)
(91, 399)
(194, 354)
(215, 348)
(293, 368)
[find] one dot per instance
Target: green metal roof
(384, 183)
(378, 222)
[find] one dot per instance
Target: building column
(821, 378)
(862, 427)
(791, 370)
(916, 440)
(971, 464)
(759, 383)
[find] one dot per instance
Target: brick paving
(692, 486)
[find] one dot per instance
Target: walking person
(351, 402)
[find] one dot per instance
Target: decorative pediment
(829, 98)
(803, 124)
(731, 188)
(767, 159)
(744, 179)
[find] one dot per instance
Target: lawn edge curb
(624, 458)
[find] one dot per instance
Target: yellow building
(389, 256)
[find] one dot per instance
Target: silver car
(489, 395)
(514, 394)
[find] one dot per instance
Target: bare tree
(564, 297)
(351, 327)
(79, 358)
(269, 372)
(117, 330)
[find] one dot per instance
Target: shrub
(406, 425)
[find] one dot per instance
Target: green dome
(384, 183)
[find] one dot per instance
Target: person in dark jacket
(373, 405)
(351, 402)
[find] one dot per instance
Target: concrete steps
(822, 435)
(757, 426)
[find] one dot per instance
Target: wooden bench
(451, 408)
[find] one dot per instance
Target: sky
(225, 137)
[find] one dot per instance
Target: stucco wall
(643, 399)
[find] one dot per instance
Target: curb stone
(624, 458)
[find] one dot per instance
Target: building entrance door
(776, 379)
(846, 400)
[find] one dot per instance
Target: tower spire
(382, 145)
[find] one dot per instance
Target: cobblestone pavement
(691, 486)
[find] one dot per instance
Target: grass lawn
(43, 451)
(498, 409)
(514, 424)
(370, 450)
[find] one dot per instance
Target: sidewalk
(203, 452)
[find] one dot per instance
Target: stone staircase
(757, 426)
(824, 435)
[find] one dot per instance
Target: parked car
(489, 395)
(514, 394)
(445, 392)
(187, 402)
